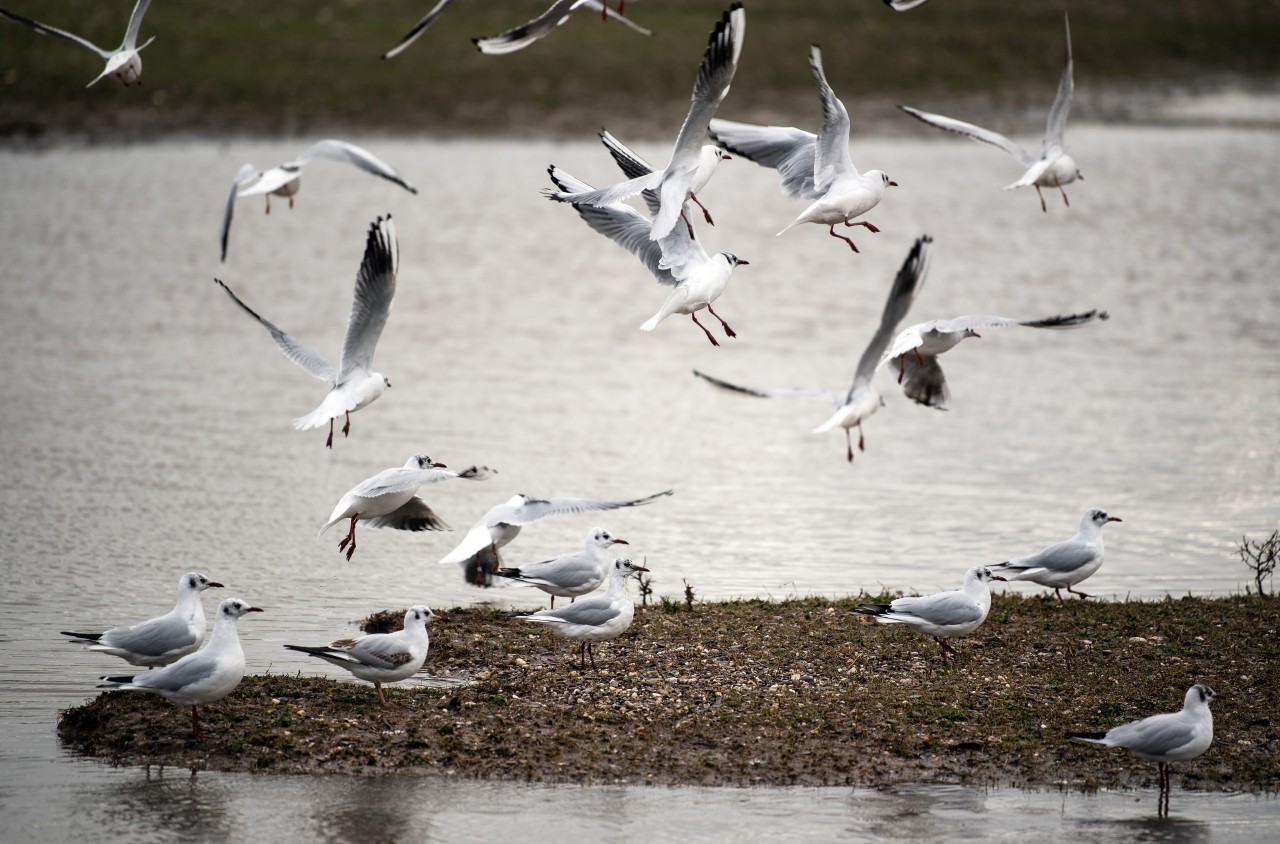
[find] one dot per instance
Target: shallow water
(147, 426)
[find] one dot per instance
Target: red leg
(902, 366)
(862, 444)
(291, 201)
(267, 196)
(848, 443)
(382, 700)
(329, 442)
(832, 231)
(346, 426)
(705, 212)
(688, 225)
(1061, 191)
(592, 654)
(1081, 594)
(947, 650)
(713, 340)
(350, 538)
(196, 730)
(870, 227)
(1057, 594)
(1043, 207)
(727, 330)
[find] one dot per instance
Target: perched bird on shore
(478, 553)
(917, 349)
(1065, 564)
(691, 163)
(861, 399)
(1054, 167)
(352, 384)
(569, 575)
(124, 62)
(943, 614)
(161, 640)
(1169, 737)
(389, 499)
(596, 619)
(816, 167)
(381, 657)
(286, 179)
(208, 675)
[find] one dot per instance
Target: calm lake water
(147, 432)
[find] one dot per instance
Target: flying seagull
(124, 62)
(543, 25)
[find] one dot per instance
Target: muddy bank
(755, 693)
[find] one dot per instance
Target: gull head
(733, 260)
(418, 614)
(197, 582)
(883, 177)
(603, 539)
(982, 574)
(1100, 517)
(626, 568)
(234, 608)
(422, 461)
(1199, 695)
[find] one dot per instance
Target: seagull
(1067, 563)
(417, 30)
(208, 675)
(691, 162)
(388, 499)
(286, 179)
(124, 62)
(861, 399)
(569, 575)
(352, 384)
(381, 657)
(677, 261)
(540, 27)
(477, 553)
(904, 5)
(597, 619)
(161, 640)
(944, 614)
(1054, 167)
(1169, 737)
(917, 349)
(816, 167)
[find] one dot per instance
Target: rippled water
(147, 421)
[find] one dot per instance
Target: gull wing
(775, 393)
(943, 608)
(925, 383)
(154, 637)
(633, 166)
(417, 30)
(371, 304)
(788, 150)
(381, 650)
(969, 130)
(336, 150)
(135, 25)
(1156, 735)
(45, 29)
(476, 540)
(1057, 122)
(831, 156)
(540, 27)
(1063, 557)
(535, 509)
(312, 363)
(247, 172)
(413, 515)
(592, 612)
(906, 286)
(904, 5)
(174, 678)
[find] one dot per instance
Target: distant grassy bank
(798, 692)
(306, 67)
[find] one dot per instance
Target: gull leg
(832, 231)
(582, 655)
(902, 366)
(727, 330)
(688, 225)
(350, 538)
(329, 442)
(848, 442)
(592, 655)
(196, 730)
(1043, 207)
(947, 650)
(290, 202)
(713, 340)
(1081, 594)
(553, 602)
(1057, 593)
(919, 360)
(870, 227)
(705, 213)
(382, 700)
(346, 426)
(1057, 182)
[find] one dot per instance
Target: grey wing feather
(416, 31)
(612, 194)
(381, 650)
(374, 290)
(45, 29)
(831, 157)
(336, 150)
(527, 33)
(775, 393)
(1157, 734)
(1063, 557)
(537, 509)
(151, 638)
(790, 151)
(633, 167)
(413, 515)
(1056, 125)
(719, 63)
(592, 612)
(969, 130)
(925, 383)
(135, 24)
(944, 608)
(1065, 321)
(906, 286)
(184, 672)
(243, 176)
(312, 363)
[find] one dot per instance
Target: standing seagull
(816, 167)
(917, 349)
(381, 657)
(596, 619)
(1067, 563)
(569, 575)
(389, 499)
(690, 162)
(1169, 737)
(477, 553)
(352, 384)
(286, 179)
(124, 62)
(208, 675)
(862, 399)
(161, 640)
(944, 614)
(1054, 168)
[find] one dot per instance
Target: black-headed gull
(691, 161)
(286, 179)
(943, 614)
(543, 25)
(478, 554)
(904, 5)
(569, 575)
(1054, 167)
(816, 167)
(352, 384)
(389, 499)
(597, 619)
(208, 675)
(917, 349)
(381, 657)
(677, 261)
(1168, 737)
(1065, 564)
(124, 62)
(861, 399)
(161, 640)
(416, 30)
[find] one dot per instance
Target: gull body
(569, 575)
(208, 675)
(862, 399)
(942, 615)
(352, 384)
(381, 657)
(1054, 167)
(478, 553)
(596, 619)
(1065, 564)
(389, 499)
(543, 25)
(161, 640)
(124, 62)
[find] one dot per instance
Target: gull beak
(743, 263)
(621, 542)
(1114, 519)
(638, 568)
(438, 466)
(976, 334)
(724, 156)
(892, 184)
(998, 577)
(213, 585)
(254, 609)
